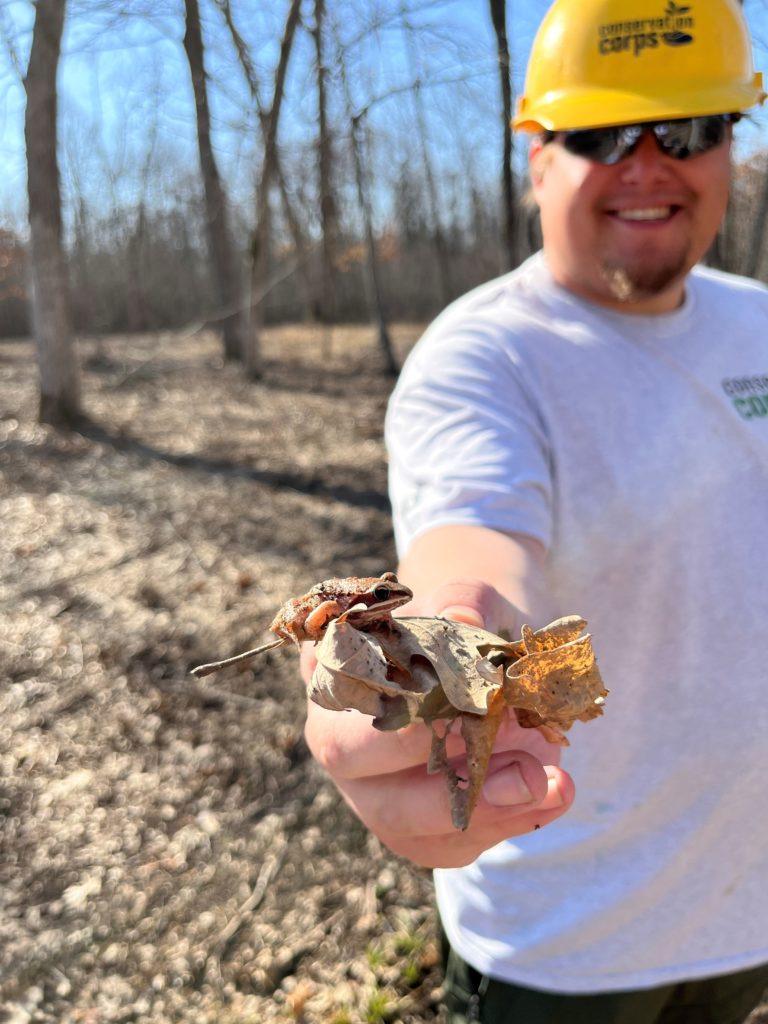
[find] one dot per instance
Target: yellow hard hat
(596, 63)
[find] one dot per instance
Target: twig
(237, 659)
(268, 871)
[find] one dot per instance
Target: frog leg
(318, 619)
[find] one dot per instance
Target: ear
(536, 163)
(535, 146)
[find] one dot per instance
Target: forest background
(238, 163)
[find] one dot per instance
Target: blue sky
(126, 103)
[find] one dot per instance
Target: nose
(646, 163)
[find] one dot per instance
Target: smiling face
(626, 235)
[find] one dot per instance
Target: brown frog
(360, 599)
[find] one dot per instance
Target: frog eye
(389, 576)
(381, 592)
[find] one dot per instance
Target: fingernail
(463, 613)
(555, 796)
(507, 788)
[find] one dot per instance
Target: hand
(383, 776)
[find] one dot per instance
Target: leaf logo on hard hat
(677, 38)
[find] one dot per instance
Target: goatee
(629, 283)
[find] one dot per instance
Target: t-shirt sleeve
(465, 440)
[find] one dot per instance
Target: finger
(348, 746)
(465, 599)
(457, 849)
(414, 803)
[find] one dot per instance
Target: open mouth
(646, 215)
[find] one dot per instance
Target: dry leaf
(479, 734)
(436, 671)
(561, 684)
(467, 679)
(352, 672)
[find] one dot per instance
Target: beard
(643, 279)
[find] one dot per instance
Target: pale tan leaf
(452, 649)
(352, 672)
(336, 691)
(479, 734)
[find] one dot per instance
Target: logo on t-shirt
(672, 29)
(749, 395)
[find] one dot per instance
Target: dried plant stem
(214, 666)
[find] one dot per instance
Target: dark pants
(726, 999)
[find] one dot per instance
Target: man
(586, 435)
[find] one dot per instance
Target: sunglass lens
(681, 139)
(598, 144)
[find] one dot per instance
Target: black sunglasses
(680, 139)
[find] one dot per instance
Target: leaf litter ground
(166, 854)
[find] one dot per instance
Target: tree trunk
(373, 287)
(225, 270)
(722, 254)
(261, 236)
(438, 237)
(292, 219)
(328, 212)
(51, 305)
(375, 300)
(499, 18)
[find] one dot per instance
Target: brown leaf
(561, 685)
(436, 670)
(557, 633)
(479, 734)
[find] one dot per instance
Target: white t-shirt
(635, 448)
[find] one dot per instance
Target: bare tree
(373, 289)
(261, 235)
(441, 249)
(375, 298)
(499, 18)
(292, 219)
(226, 269)
(325, 160)
(51, 308)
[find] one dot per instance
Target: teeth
(651, 213)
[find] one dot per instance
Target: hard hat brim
(572, 109)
